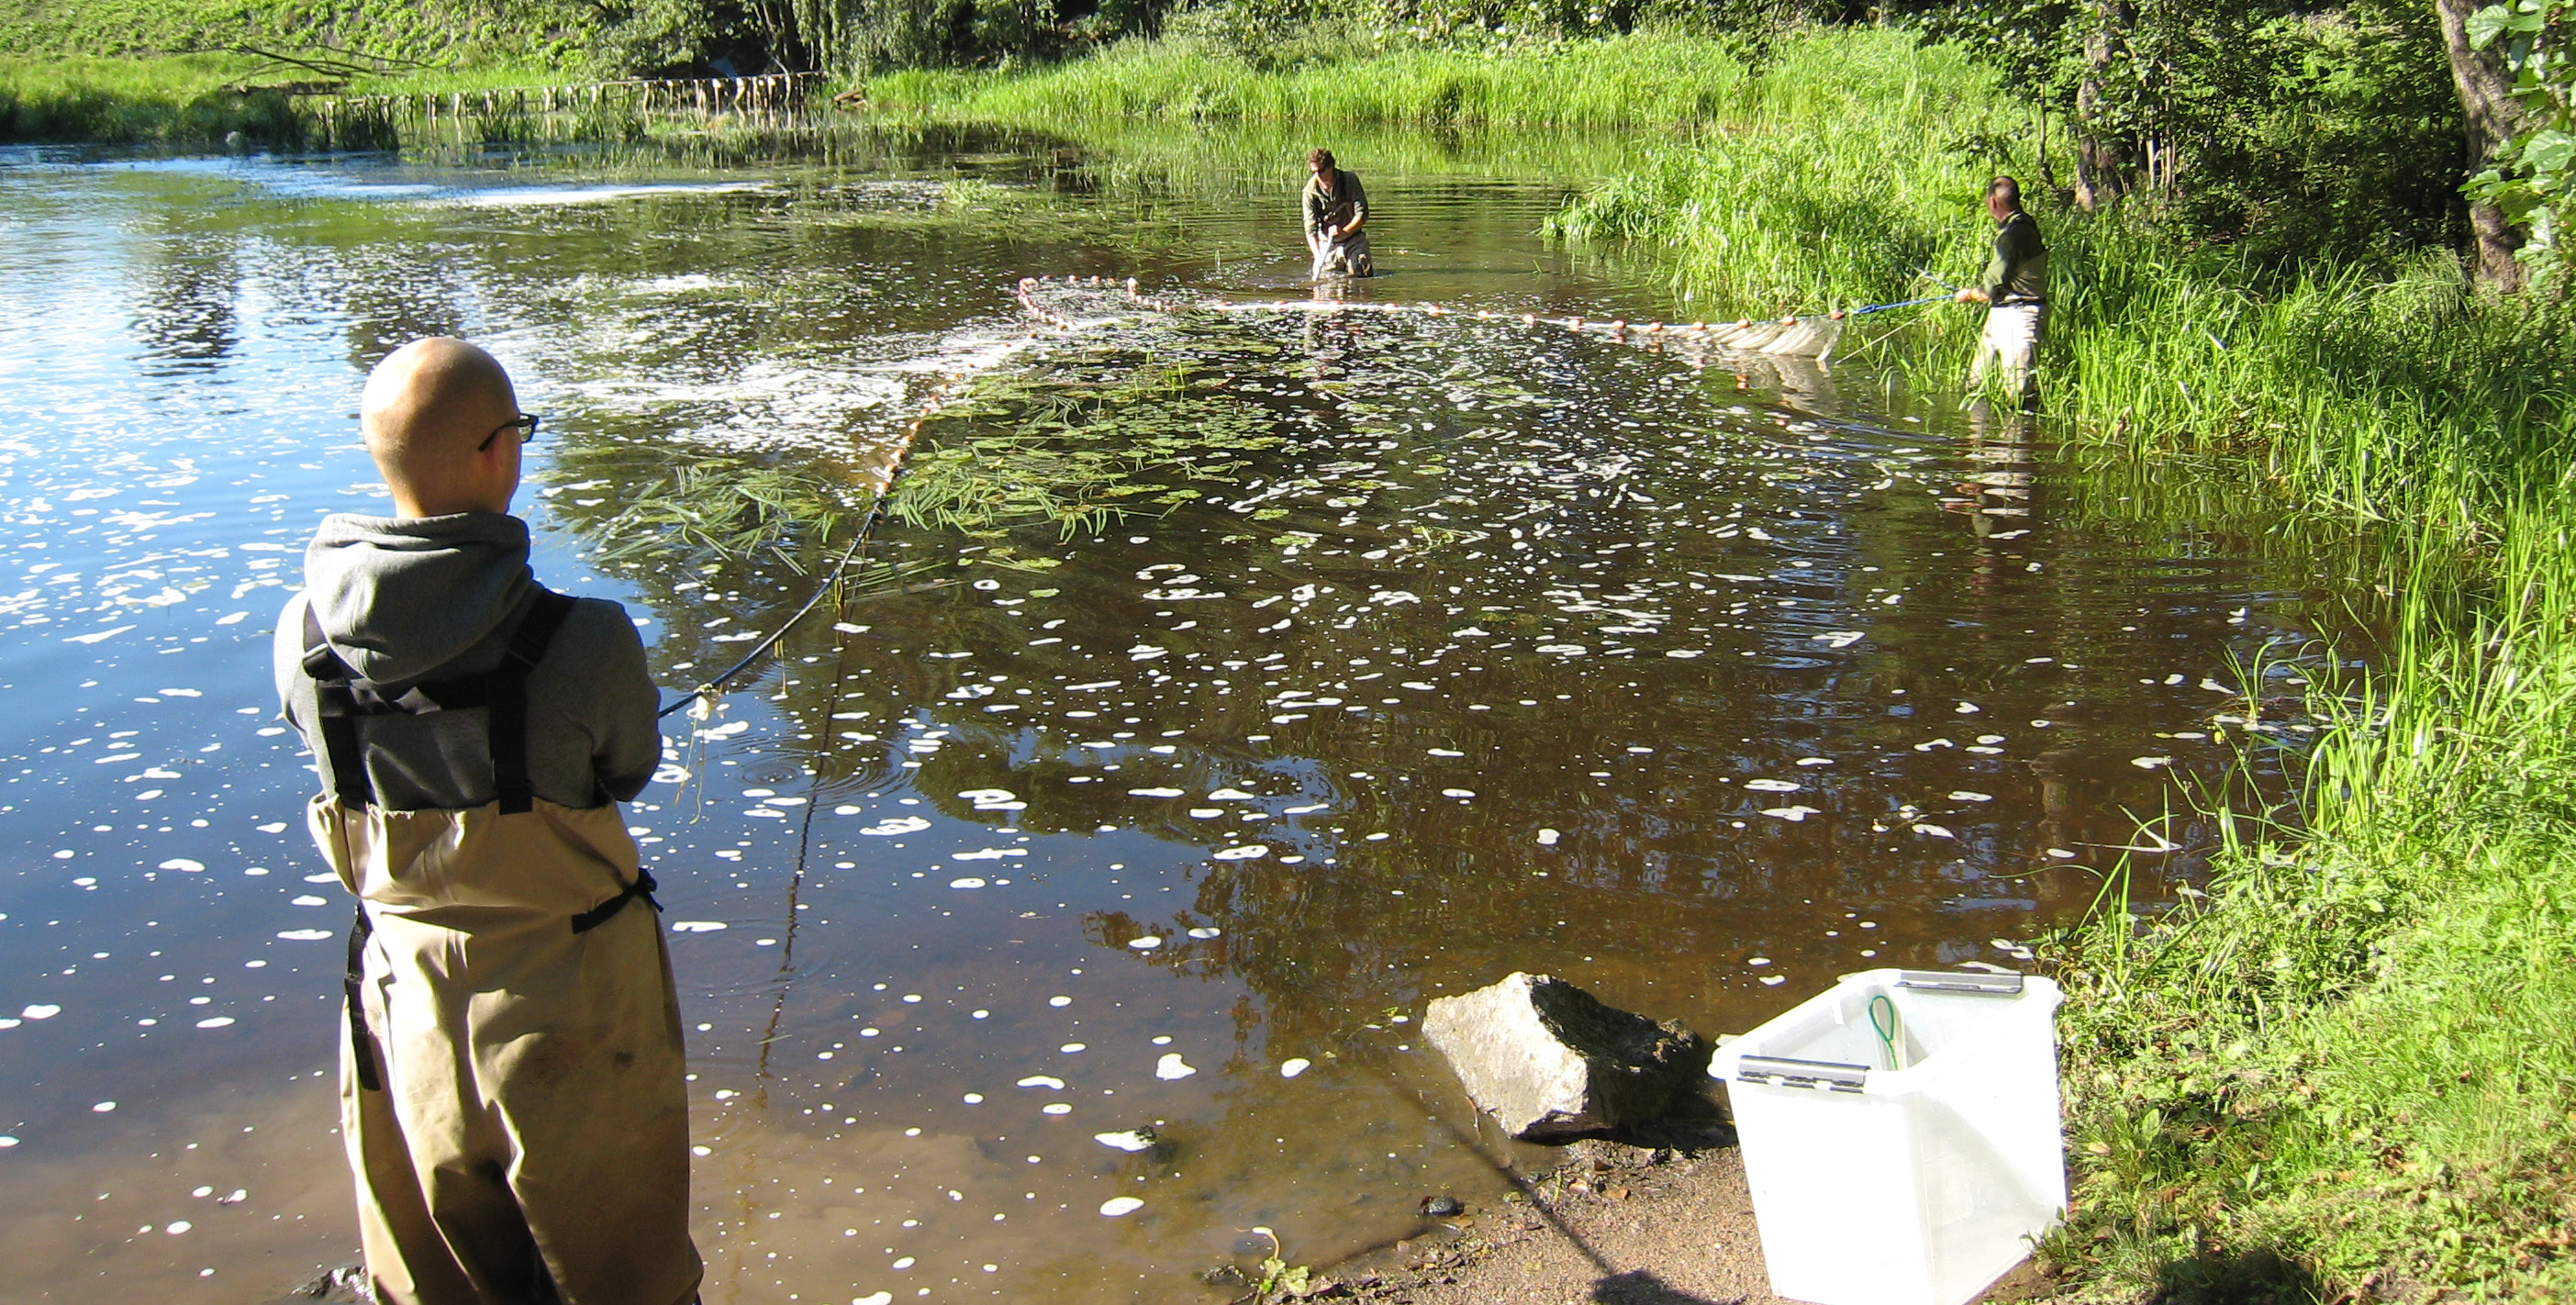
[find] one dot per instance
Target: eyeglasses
(526, 426)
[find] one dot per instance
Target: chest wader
(511, 1088)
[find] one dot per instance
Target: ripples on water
(1500, 649)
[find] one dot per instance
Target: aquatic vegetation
(725, 507)
(1117, 432)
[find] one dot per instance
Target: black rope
(876, 512)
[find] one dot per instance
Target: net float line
(1811, 337)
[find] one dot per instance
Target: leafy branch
(2534, 174)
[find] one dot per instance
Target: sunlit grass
(172, 98)
(1645, 80)
(2359, 1053)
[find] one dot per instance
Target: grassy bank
(168, 99)
(1645, 80)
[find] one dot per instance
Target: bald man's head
(429, 415)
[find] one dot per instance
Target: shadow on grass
(2261, 1276)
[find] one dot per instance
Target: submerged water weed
(1118, 432)
(730, 509)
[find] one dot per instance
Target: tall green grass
(170, 99)
(2355, 1061)
(1644, 80)
(1846, 169)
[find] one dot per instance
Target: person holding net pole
(2014, 288)
(1336, 208)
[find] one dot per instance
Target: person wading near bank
(2015, 289)
(510, 1064)
(1336, 207)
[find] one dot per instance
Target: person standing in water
(2014, 287)
(1336, 208)
(511, 1091)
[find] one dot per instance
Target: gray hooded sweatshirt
(409, 599)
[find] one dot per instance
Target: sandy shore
(1613, 1224)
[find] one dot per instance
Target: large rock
(1550, 1061)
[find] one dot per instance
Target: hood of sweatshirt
(399, 597)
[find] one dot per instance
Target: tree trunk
(2101, 159)
(2489, 118)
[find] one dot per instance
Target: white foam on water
(553, 196)
(672, 285)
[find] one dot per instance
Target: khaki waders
(511, 1087)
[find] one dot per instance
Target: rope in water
(1813, 335)
(706, 690)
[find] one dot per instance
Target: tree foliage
(2305, 128)
(2533, 177)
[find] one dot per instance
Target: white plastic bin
(1917, 1184)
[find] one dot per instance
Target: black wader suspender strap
(343, 697)
(509, 704)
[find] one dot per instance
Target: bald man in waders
(1335, 208)
(510, 1066)
(2014, 287)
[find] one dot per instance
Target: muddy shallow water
(1472, 647)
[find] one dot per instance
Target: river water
(1479, 647)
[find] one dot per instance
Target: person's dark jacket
(2018, 271)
